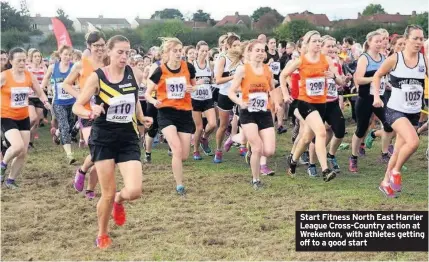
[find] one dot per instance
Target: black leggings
(364, 111)
(334, 117)
(152, 111)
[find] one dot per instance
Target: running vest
(87, 70)
(332, 86)
(371, 68)
(119, 102)
(204, 91)
(14, 96)
(227, 71)
(407, 83)
(255, 88)
(312, 88)
(61, 97)
(294, 82)
(275, 65)
(142, 91)
(38, 73)
(426, 88)
(172, 88)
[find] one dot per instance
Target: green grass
(222, 217)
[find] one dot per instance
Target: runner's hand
(243, 105)
(147, 121)
(97, 110)
(288, 99)
(156, 103)
(329, 74)
(47, 105)
(190, 88)
(377, 102)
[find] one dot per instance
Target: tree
(258, 13)
(267, 22)
(421, 20)
(13, 19)
(61, 15)
(294, 30)
(201, 16)
(373, 9)
(13, 38)
(167, 13)
(172, 28)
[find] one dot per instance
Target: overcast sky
(335, 9)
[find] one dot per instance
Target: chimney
(414, 13)
(38, 15)
(397, 13)
(359, 15)
(100, 16)
(236, 14)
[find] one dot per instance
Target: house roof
(104, 21)
(196, 24)
(234, 19)
(386, 18)
(315, 19)
(40, 20)
(141, 21)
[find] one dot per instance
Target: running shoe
(218, 157)
(103, 242)
(11, 184)
(369, 140)
(243, 151)
(181, 190)
(31, 145)
(257, 185)
(390, 149)
(266, 171)
(384, 158)
(89, 194)
(387, 191)
(227, 145)
(328, 175)
(3, 168)
(395, 180)
(361, 151)
(292, 169)
(334, 164)
(79, 180)
(71, 159)
(118, 214)
(204, 145)
(305, 158)
(36, 136)
(147, 158)
(281, 130)
(170, 153)
(197, 156)
(353, 165)
(312, 171)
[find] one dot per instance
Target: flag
(61, 33)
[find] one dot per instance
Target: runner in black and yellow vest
(114, 134)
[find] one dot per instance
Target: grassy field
(222, 217)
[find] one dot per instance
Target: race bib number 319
(176, 87)
(121, 109)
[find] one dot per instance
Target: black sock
(354, 157)
(326, 171)
(362, 144)
(373, 134)
(80, 171)
(384, 154)
(330, 156)
(148, 154)
(312, 165)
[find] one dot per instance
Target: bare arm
(71, 79)
(45, 81)
(286, 72)
(384, 69)
(39, 92)
(139, 111)
(220, 66)
(337, 77)
(360, 78)
(91, 86)
(150, 87)
(235, 85)
(3, 79)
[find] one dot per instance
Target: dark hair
(283, 43)
(231, 39)
(411, 28)
(349, 40)
(14, 51)
(116, 39)
(146, 56)
(94, 37)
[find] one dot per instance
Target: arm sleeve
(156, 76)
(191, 69)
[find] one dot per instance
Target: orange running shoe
(103, 242)
(118, 214)
(387, 191)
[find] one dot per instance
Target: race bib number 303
(121, 109)
(258, 102)
(315, 86)
(19, 97)
(176, 87)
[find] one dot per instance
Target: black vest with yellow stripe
(120, 101)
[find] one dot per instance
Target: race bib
(332, 88)
(203, 92)
(275, 67)
(413, 97)
(382, 88)
(19, 97)
(258, 102)
(142, 91)
(176, 87)
(315, 86)
(121, 109)
(62, 94)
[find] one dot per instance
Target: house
(41, 23)
(387, 19)
(82, 24)
(195, 25)
(319, 20)
(142, 22)
(236, 19)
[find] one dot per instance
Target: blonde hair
(237, 55)
(369, 37)
(31, 53)
(64, 47)
(327, 38)
(382, 31)
(306, 40)
(222, 39)
(168, 43)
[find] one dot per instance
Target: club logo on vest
(421, 68)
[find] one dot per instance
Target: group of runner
(242, 90)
